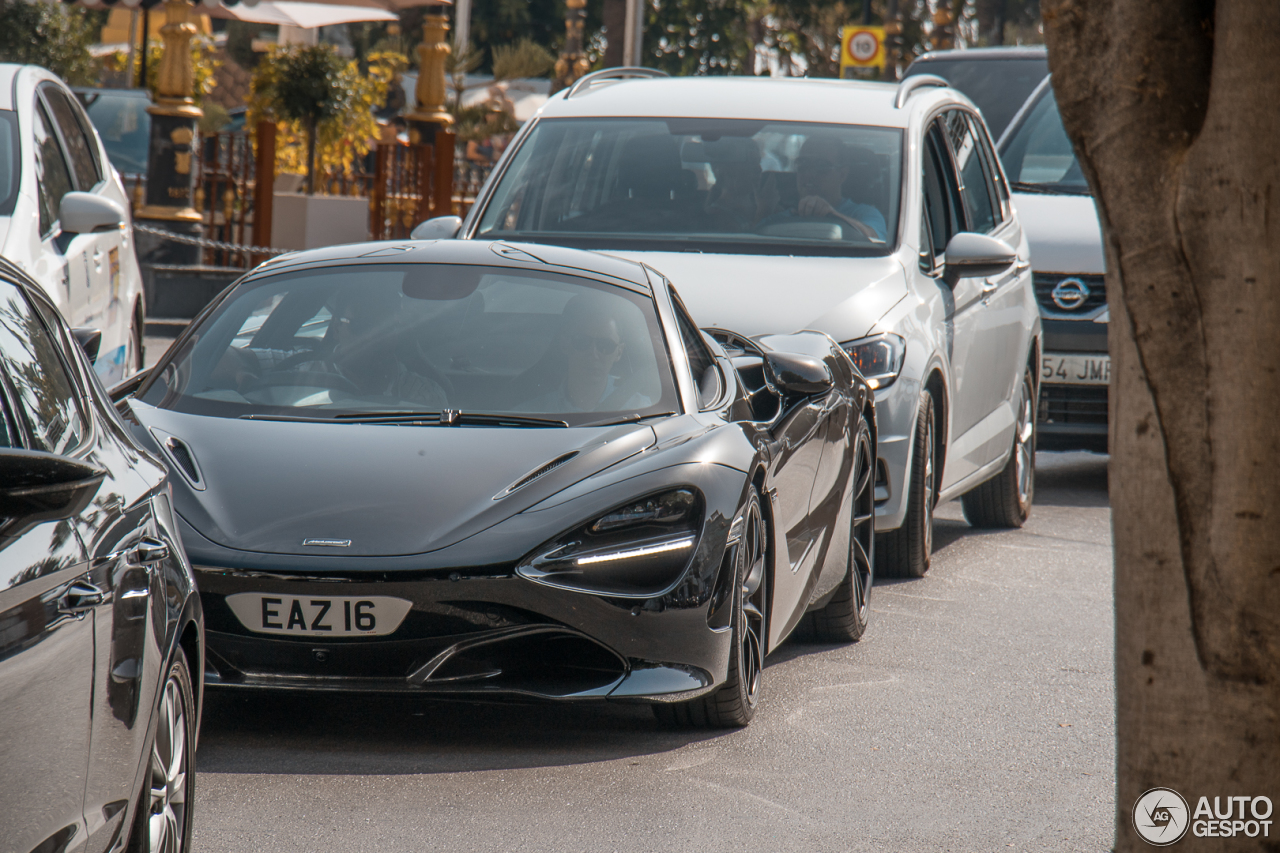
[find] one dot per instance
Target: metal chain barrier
(209, 244)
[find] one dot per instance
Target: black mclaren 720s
(494, 470)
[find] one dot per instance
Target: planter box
(313, 221)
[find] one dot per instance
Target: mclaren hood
(777, 294)
(363, 489)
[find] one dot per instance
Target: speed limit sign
(861, 47)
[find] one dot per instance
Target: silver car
(876, 213)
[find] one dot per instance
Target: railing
(468, 178)
(410, 184)
(224, 195)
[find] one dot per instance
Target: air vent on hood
(180, 456)
(541, 471)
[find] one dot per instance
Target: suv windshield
(1037, 155)
(387, 340)
(756, 187)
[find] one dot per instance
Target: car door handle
(149, 550)
(81, 596)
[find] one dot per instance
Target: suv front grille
(1045, 282)
(1073, 404)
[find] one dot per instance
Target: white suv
(64, 217)
(875, 213)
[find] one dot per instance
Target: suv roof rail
(908, 87)
(624, 73)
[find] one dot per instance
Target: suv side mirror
(796, 374)
(86, 213)
(977, 255)
(437, 228)
(40, 486)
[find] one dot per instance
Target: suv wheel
(905, 552)
(1005, 499)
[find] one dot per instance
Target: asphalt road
(976, 715)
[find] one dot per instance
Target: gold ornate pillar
(174, 115)
(572, 63)
(430, 113)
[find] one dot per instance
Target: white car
(64, 216)
(876, 213)
(1062, 224)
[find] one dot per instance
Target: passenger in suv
(883, 219)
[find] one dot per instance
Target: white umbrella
(299, 14)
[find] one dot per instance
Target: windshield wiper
(449, 417)
(1049, 189)
(629, 419)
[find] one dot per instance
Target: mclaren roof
(774, 98)
(478, 252)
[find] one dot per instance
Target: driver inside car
(364, 352)
(359, 359)
(821, 170)
(586, 348)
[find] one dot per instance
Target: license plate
(1076, 369)
(318, 615)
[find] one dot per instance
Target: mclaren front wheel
(734, 703)
(844, 618)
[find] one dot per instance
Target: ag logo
(1161, 816)
(1070, 294)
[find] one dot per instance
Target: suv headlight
(636, 550)
(878, 358)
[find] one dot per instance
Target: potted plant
(323, 109)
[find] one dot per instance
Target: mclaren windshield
(421, 343)
(1036, 153)
(719, 185)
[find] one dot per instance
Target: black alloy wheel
(844, 618)
(1005, 499)
(734, 703)
(906, 552)
(162, 820)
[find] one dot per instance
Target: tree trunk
(1172, 108)
(614, 18)
(311, 156)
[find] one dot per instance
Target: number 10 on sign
(861, 47)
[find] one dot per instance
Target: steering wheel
(306, 378)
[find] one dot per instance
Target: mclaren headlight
(878, 358)
(639, 549)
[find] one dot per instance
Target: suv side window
(979, 198)
(941, 194)
(701, 362)
(46, 395)
(52, 176)
(991, 164)
(79, 141)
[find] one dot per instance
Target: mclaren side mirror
(972, 255)
(40, 486)
(86, 213)
(439, 228)
(796, 374)
(126, 387)
(90, 341)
